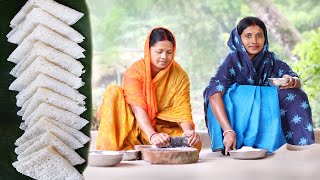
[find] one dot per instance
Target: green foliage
(303, 14)
(309, 69)
(202, 29)
(309, 65)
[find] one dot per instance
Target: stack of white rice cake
(47, 77)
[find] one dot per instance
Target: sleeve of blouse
(282, 68)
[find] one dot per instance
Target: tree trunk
(287, 35)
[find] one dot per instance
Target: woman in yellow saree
(154, 103)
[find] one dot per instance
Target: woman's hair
(160, 34)
(249, 21)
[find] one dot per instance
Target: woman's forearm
(143, 120)
(185, 126)
(219, 111)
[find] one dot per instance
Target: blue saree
(295, 111)
(253, 113)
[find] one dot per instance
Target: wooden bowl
(183, 155)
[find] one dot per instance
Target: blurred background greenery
(202, 27)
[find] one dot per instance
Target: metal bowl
(278, 81)
(249, 154)
(129, 155)
(104, 158)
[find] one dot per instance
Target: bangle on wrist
(230, 130)
(151, 136)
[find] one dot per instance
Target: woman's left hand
(291, 82)
(193, 137)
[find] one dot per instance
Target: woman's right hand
(160, 139)
(230, 142)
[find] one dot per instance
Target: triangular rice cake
(37, 16)
(50, 54)
(49, 37)
(47, 164)
(24, 107)
(55, 113)
(40, 65)
(52, 98)
(47, 82)
(42, 126)
(62, 12)
(18, 150)
(48, 139)
(80, 136)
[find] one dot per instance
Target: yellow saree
(166, 99)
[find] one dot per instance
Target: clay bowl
(278, 81)
(140, 147)
(248, 154)
(129, 155)
(182, 155)
(99, 158)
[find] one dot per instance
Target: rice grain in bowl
(100, 158)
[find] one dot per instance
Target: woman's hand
(229, 141)
(193, 137)
(291, 82)
(160, 139)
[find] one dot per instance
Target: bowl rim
(104, 152)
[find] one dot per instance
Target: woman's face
(161, 55)
(253, 40)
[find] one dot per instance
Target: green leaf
(9, 121)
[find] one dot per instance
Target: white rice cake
(48, 139)
(42, 126)
(38, 16)
(50, 54)
(64, 13)
(18, 150)
(49, 37)
(55, 99)
(40, 65)
(47, 164)
(45, 81)
(24, 107)
(80, 136)
(55, 113)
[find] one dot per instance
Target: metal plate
(250, 154)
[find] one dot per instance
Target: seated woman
(240, 106)
(153, 104)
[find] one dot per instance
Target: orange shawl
(166, 97)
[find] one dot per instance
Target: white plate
(278, 81)
(248, 154)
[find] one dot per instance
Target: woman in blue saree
(241, 107)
